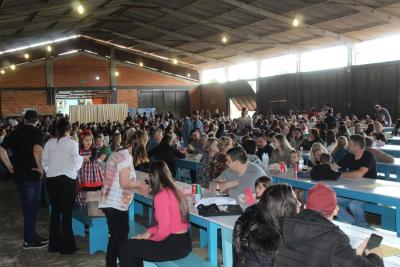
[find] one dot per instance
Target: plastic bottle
(265, 160)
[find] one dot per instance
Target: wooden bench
(192, 260)
(98, 228)
(388, 214)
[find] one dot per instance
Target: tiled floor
(11, 233)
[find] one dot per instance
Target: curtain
(98, 113)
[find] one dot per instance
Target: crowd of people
(86, 160)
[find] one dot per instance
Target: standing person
(311, 239)
(116, 196)
(383, 113)
(61, 161)
(245, 121)
(169, 239)
(91, 174)
(27, 143)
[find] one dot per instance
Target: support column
(113, 78)
(51, 97)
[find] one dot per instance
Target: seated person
(194, 146)
(323, 171)
(169, 238)
(263, 146)
(282, 150)
(312, 138)
(166, 152)
(260, 186)
(239, 175)
(316, 150)
(311, 239)
(294, 158)
(380, 156)
(356, 164)
(257, 232)
(155, 139)
(340, 150)
(249, 146)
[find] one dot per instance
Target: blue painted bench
(388, 215)
(391, 172)
(192, 260)
(98, 228)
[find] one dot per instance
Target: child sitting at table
(311, 239)
(261, 185)
(323, 171)
(294, 158)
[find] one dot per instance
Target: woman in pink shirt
(169, 238)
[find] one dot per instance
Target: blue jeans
(355, 216)
(29, 194)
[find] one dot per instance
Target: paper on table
(389, 251)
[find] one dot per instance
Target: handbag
(214, 210)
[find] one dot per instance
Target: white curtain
(98, 113)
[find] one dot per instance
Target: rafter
(376, 13)
(226, 29)
(304, 26)
(187, 37)
(164, 47)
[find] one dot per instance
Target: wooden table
(375, 191)
(393, 150)
(355, 233)
(190, 163)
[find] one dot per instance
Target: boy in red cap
(310, 239)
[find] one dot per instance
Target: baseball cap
(321, 198)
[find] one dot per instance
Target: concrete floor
(11, 238)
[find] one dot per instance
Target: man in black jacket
(310, 239)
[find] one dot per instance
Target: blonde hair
(209, 143)
(223, 143)
(285, 145)
(315, 148)
(341, 142)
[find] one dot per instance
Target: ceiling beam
(287, 20)
(188, 38)
(226, 29)
(167, 48)
(376, 13)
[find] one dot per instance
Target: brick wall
(78, 71)
(13, 102)
(136, 76)
(129, 96)
(24, 76)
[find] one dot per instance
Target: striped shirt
(112, 195)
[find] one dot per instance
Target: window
(279, 65)
(378, 50)
(326, 58)
(242, 71)
(213, 76)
